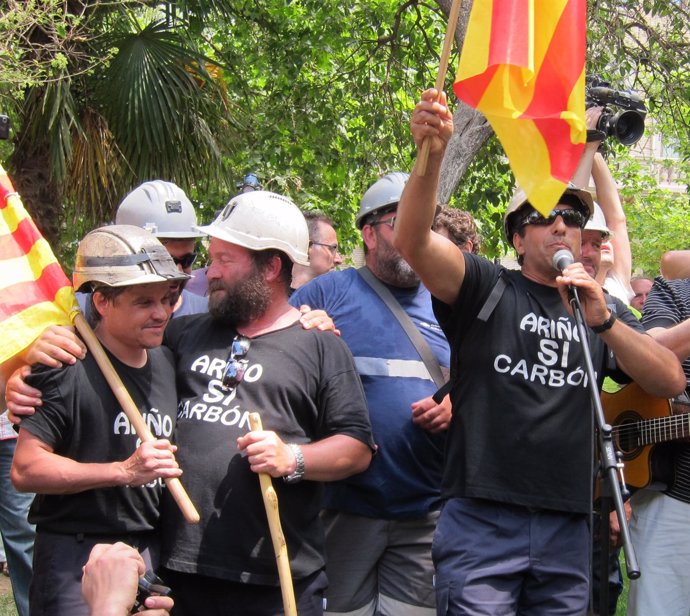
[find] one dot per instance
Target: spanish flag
(34, 291)
(523, 66)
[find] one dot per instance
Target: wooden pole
(94, 345)
(441, 78)
(279, 546)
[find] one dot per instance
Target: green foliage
(658, 220)
(312, 95)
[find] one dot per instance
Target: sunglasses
(571, 218)
(390, 222)
(332, 247)
(186, 260)
(236, 363)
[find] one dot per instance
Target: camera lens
(628, 126)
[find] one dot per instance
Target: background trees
(313, 95)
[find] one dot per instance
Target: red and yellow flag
(34, 291)
(523, 66)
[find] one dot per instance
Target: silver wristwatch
(298, 473)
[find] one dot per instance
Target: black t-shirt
(305, 387)
(521, 430)
(82, 420)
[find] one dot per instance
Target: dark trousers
(58, 560)
(198, 594)
(494, 559)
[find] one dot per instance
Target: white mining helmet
(261, 220)
(161, 208)
(123, 255)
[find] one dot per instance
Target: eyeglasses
(390, 222)
(571, 218)
(186, 260)
(332, 247)
(236, 363)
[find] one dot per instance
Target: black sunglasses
(186, 260)
(236, 364)
(571, 218)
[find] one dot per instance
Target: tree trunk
(471, 128)
(30, 173)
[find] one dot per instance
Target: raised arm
(438, 262)
(610, 203)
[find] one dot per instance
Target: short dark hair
(313, 218)
(460, 226)
(109, 293)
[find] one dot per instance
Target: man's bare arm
(438, 262)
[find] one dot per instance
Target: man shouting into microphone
(512, 536)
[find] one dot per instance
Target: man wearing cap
(94, 481)
(251, 354)
(512, 536)
(380, 523)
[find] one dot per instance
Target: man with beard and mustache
(250, 353)
(379, 524)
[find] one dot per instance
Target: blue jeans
(17, 533)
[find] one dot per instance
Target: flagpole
(177, 491)
(279, 545)
(441, 78)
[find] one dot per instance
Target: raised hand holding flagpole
(423, 157)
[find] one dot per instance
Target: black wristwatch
(606, 325)
(298, 473)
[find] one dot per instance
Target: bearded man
(379, 524)
(250, 353)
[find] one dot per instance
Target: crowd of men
(433, 457)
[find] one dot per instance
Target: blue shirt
(404, 478)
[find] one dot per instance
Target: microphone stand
(608, 459)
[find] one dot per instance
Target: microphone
(562, 259)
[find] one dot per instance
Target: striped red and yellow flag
(523, 66)
(34, 291)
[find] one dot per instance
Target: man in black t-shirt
(512, 537)
(251, 354)
(94, 481)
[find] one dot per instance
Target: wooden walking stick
(441, 78)
(279, 546)
(176, 490)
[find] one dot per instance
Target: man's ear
(369, 236)
(518, 243)
(100, 302)
(272, 269)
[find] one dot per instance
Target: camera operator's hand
(595, 137)
(111, 580)
(111, 577)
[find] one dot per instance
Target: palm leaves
(147, 108)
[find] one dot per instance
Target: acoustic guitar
(639, 422)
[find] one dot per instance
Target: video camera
(627, 125)
(4, 127)
(149, 585)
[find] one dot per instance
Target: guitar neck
(662, 429)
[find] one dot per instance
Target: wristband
(606, 325)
